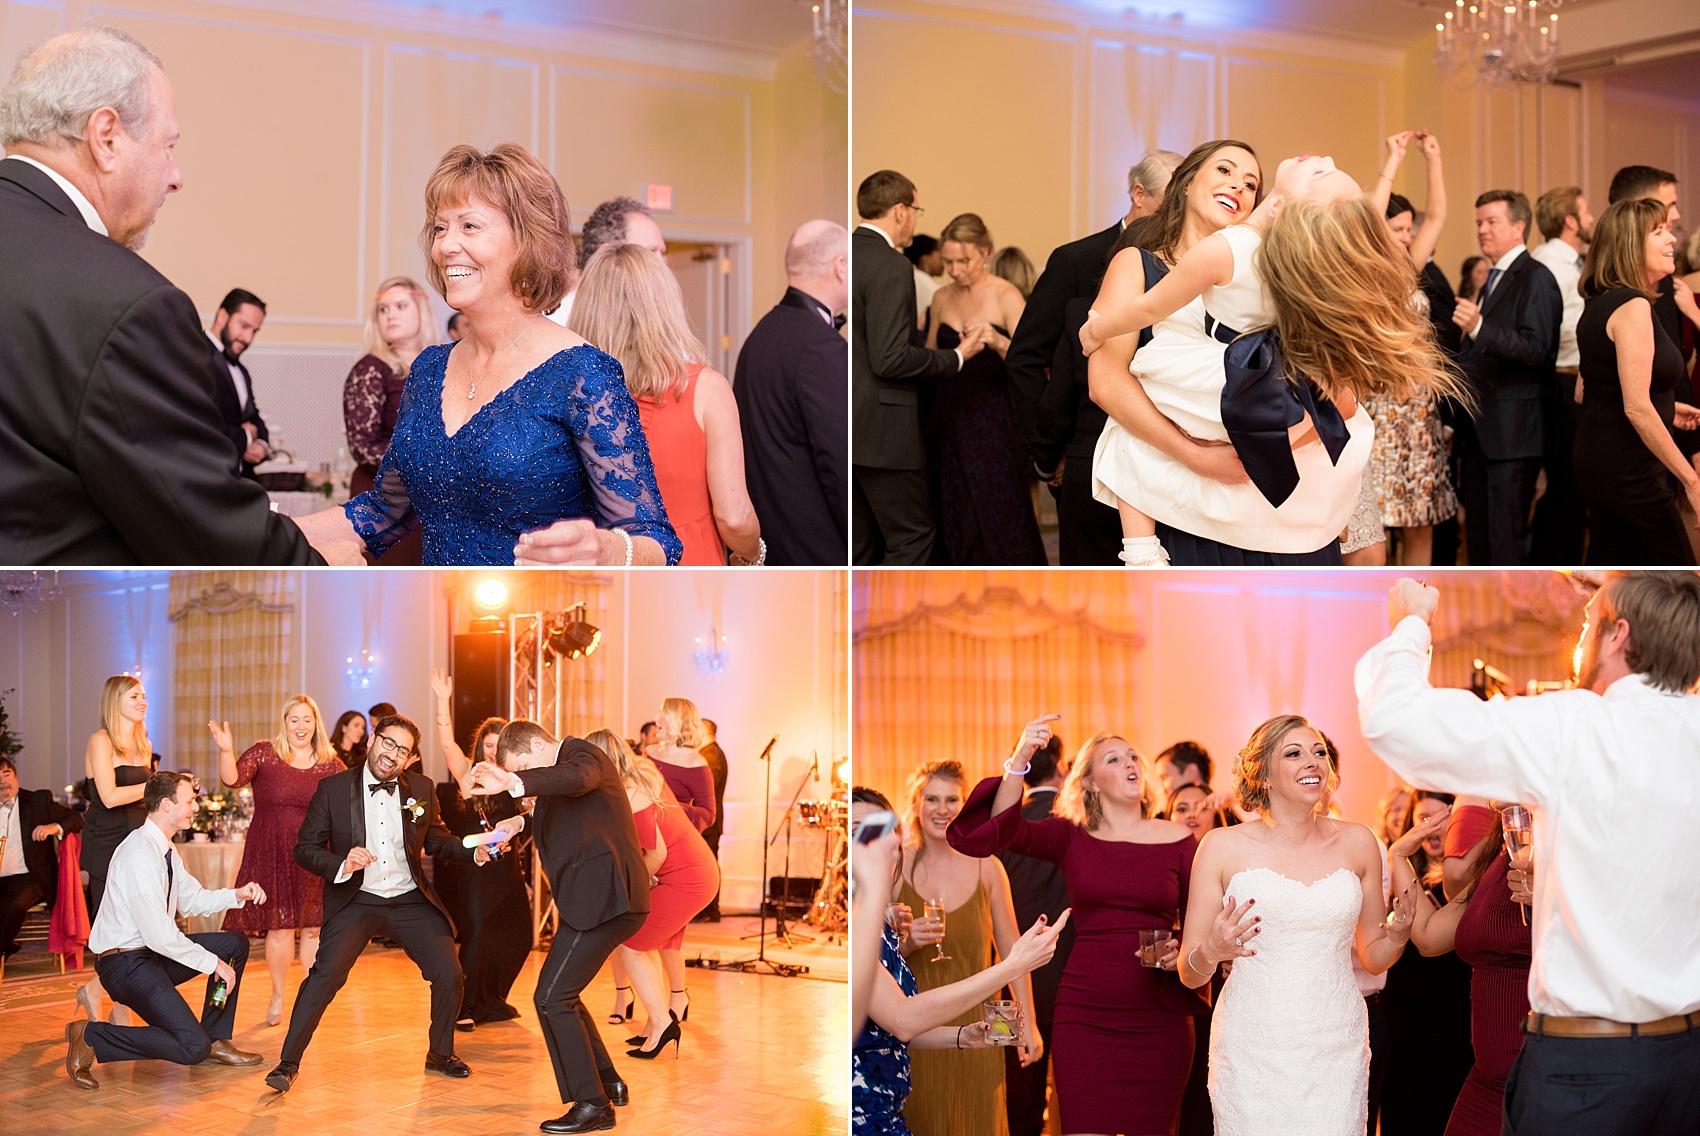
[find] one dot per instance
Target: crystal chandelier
(22, 592)
(1498, 43)
(829, 45)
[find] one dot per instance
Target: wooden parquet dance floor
(762, 1056)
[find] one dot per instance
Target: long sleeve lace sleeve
(384, 513)
(363, 411)
(603, 418)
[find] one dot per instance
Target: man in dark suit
(31, 823)
(111, 450)
(367, 832)
(1037, 888)
(790, 387)
(716, 758)
(1510, 346)
(584, 832)
(238, 320)
(892, 516)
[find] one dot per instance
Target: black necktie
(386, 786)
(168, 881)
(838, 323)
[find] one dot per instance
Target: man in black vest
(111, 450)
(238, 320)
(31, 823)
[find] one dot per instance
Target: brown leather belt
(1547, 1025)
(1568, 370)
(117, 951)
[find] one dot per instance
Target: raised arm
(1427, 235)
(224, 743)
(99, 759)
(1209, 263)
(1383, 189)
(443, 687)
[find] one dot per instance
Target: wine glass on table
(1518, 827)
(934, 909)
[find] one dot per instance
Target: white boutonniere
(414, 809)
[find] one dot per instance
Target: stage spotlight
(490, 594)
(573, 637)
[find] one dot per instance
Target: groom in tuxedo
(111, 449)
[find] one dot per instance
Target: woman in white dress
(1289, 1041)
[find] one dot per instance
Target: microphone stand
(780, 931)
(783, 970)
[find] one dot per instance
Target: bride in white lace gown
(1289, 1041)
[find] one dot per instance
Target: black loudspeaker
(795, 893)
(481, 681)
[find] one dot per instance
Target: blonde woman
(284, 771)
(688, 777)
(117, 759)
(1122, 1038)
(629, 305)
(398, 328)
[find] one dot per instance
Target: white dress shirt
(1501, 265)
(137, 912)
(563, 313)
(90, 217)
(11, 839)
(1611, 780)
(1565, 263)
(236, 375)
(389, 875)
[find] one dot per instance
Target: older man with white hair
(792, 384)
(110, 452)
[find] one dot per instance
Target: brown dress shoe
(226, 1054)
(79, 1056)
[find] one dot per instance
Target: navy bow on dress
(1259, 406)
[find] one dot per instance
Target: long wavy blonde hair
(634, 771)
(137, 743)
(322, 748)
(425, 337)
(1341, 290)
(1080, 803)
(629, 304)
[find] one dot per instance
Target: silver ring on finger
(1239, 942)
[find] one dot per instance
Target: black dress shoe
(465, 1025)
(582, 1117)
(616, 1089)
(447, 1064)
(282, 1077)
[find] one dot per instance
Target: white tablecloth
(213, 866)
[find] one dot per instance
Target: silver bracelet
(1196, 969)
(627, 537)
(761, 557)
(1022, 772)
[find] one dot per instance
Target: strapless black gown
(104, 829)
(985, 505)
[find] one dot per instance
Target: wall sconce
(711, 659)
(362, 670)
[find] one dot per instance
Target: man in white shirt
(1561, 522)
(1613, 1040)
(142, 957)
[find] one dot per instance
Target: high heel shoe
(274, 1012)
(620, 1015)
(670, 1034)
(684, 1015)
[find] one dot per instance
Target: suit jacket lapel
(357, 808)
(38, 183)
(1514, 269)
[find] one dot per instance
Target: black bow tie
(838, 322)
(386, 786)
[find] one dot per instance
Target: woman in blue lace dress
(520, 443)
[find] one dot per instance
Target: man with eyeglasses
(367, 832)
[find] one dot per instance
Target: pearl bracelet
(761, 557)
(627, 537)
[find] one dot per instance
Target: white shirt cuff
(1416, 629)
(960, 361)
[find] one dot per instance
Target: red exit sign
(658, 197)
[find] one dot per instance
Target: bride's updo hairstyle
(1251, 771)
(1080, 803)
(968, 229)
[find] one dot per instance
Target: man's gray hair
(56, 87)
(813, 248)
(606, 225)
(1153, 171)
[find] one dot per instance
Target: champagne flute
(1518, 827)
(934, 909)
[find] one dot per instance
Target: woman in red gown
(1121, 1045)
(284, 772)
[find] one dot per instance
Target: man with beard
(238, 320)
(1613, 1040)
(367, 832)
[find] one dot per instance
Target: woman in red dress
(686, 877)
(284, 771)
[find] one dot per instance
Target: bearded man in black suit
(238, 320)
(111, 449)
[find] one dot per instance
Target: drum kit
(830, 910)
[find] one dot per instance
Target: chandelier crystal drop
(1498, 43)
(829, 43)
(22, 592)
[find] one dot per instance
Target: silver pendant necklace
(472, 381)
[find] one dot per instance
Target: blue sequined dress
(879, 1063)
(562, 442)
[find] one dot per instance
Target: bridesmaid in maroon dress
(1487, 930)
(679, 725)
(1121, 1046)
(284, 772)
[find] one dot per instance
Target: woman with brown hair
(348, 738)
(520, 442)
(284, 771)
(1624, 455)
(985, 505)
(1122, 1038)
(629, 305)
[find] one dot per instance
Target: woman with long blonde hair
(629, 305)
(1122, 1035)
(686, 877)
(285, 771)
(399, 325)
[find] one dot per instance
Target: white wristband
(1022, 772)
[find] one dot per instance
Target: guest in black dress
(118, 759)
(985, 500)
(1630, 371)
(348, 738)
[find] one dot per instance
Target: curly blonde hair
(1341, 290)
(685, 714)
(1251, 770)
(1080, 803)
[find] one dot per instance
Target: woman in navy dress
(520, 443)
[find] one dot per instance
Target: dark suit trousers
(576, 1051)
(1604, 1086)
(1497, 496)
(1089, 532)
(411, 920)
(147, 983)
(1561, 521)
(18, 894)
(893, 511)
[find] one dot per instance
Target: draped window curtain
(231, 635)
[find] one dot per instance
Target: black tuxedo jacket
(111, 449)
(1510, 361)
(584, 832)
(1074, 271)
(37, 807)
(235, 413)
(790, 387)
(1037, 888)
(336, 823)
(887, 358)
